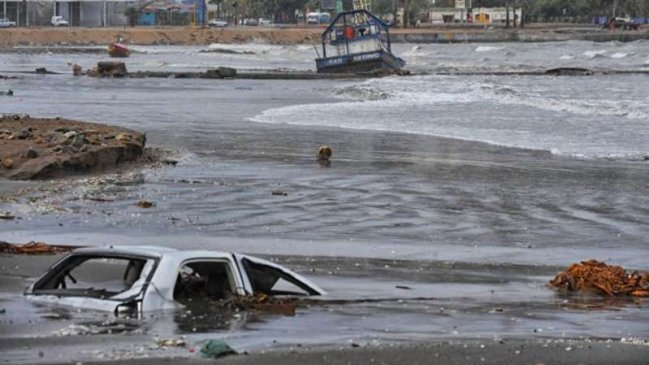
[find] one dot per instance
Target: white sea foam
(619, 55)
(488, 48)
(567, 57)
(593, 54)
(524, 116)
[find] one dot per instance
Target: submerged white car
(145, 278)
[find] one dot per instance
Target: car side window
(96, 277)
(272, 281)
(204, 280)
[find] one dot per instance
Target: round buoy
(324, 153)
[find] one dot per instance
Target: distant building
(474, 15)
(86, 13)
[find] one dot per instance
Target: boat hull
(118, 50)
(360, 62)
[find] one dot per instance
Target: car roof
(151, 251)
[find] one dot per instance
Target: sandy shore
(457, 352)
(77, 36)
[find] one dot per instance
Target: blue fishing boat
(357, 41)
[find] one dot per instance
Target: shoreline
(79, 36)
(514, 351)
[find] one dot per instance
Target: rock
(7, 215)
(8, 92)
(124, 137)
(227, 72)
(213, 74)
(221, 73)
(24, 133)
(145, 204)
(569, 71)
(32, 152)
(77, 70)
(41, 70)
(94, 72)
(8, 163)
(168, 161)
(112, 69)
(279, 193)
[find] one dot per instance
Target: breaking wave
(512, 115)
(488, 48)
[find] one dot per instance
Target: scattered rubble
(145, 204)
(600, 278)
(34, 248)
(171, 342)
(261, 302)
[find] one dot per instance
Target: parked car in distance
(217, 23)
(58, 21)
(318, 18)
(6, 23)
(251, 21)
(135, 279)
(265, 22)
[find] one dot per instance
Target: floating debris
(7, 216)
(145, 204)
(324, 153)
(216, 348)
(171, 342)
(34, 248)
(600, 278)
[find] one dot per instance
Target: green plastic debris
(216, 348)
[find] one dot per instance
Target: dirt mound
(39, 148)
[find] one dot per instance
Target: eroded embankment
(38, 148)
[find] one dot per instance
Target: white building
(85, 13)
(475, 15)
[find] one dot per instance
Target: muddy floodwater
(449, 203)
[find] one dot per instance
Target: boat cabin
(356, 41)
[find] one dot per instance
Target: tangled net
(601, 278)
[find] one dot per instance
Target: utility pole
(615, 3)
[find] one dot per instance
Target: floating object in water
(600, 278)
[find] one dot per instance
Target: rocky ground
(39, 148)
